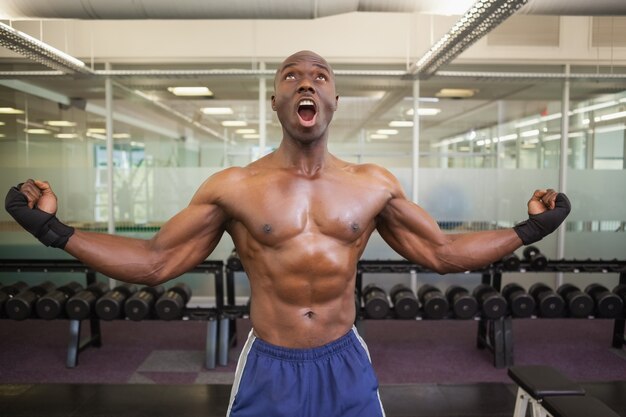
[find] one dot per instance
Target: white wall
(355, 37)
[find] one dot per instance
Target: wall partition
(485, 143)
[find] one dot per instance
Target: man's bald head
(303, 56)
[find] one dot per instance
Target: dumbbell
(434, 303)
(111, 305)
(170, 306)
(549, 303)
(234, 262)
(81, 305)
(492, 304)
(405, 302)
(464, 306)
(375, 302)
(140, 305)
(9, 291)
(22, 305)
(537, 260)
(608, 304)
(521, 304)
(510, 262)
(579, 304)
(52, 305)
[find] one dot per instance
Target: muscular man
(300, 219)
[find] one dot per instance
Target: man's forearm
(470, 251)
(122, 258)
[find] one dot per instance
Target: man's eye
(322, 77)
(290, 77)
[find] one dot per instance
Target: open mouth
(307, 112)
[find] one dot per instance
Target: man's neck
(307, 159)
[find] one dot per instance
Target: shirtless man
(300, 219)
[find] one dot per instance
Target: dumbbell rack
(497, 335)
(76, 345)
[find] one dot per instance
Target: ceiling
(367, 103)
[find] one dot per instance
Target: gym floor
(120, 400)
(426, 368)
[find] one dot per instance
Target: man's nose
(306, 87)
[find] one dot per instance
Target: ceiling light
(60, 123)
(95, 135)
(251, 136)
(401, 123)
(10, 110)
(424, 111)
(97, 130)
(2, 123)
(190, 91)
(473, 25)
(506, 138)
(527, 123)
(593, 107)
(121, 135)
(378, 136)
(423, 99)
(387, 131)
(529, 133)
(66, 135)
(456, 93)
(39, 51)
(245, 131)
(610, 116)
(138, 144)
(37, 131)
(216, 110)
(234, 123)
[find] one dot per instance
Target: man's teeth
(306, 103)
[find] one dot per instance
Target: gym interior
(127, 108)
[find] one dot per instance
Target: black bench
(536, 383)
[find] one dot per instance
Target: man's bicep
(410, 231)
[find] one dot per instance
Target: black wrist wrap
(540, 225)
(44, 226)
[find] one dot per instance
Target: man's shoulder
(371, 171)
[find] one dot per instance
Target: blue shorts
(334, 380)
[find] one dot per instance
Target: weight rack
(77, 345)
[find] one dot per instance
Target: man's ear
(274, 103)
(336, 102)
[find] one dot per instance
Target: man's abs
(301, 326)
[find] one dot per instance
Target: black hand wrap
(44, 226)
(540, 225)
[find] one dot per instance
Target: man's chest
(277, 209)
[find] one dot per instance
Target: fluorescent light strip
(424, 111)
(39, 51)
(217, 110)
(594, 107)
(473, 25)
(610, 116)
(529, 133)
(234, 123)
(10, 110)
(37, 131)
(401, 123)
(190, 91)
(60, 123)
(387, 131)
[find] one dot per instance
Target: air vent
(608, 31)
(524, 30)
